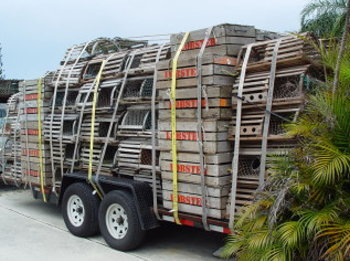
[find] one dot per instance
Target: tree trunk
(342, 48)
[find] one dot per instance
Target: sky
(34, 34)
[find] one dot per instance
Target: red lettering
(31, 110)
(33, 173)
(191, 200)
(182, 104)
(34, 153)
(30, 97)
(182, 135)
(198, 44)
(181, 73)
(193, 169)
(30, 132)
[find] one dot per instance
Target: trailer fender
(140, 192)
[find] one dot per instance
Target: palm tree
(303, 213)
(344, 39)
(326, 18)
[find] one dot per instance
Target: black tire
(134, 234)
(89, 225)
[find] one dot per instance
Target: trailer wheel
(119, 223)
(80, 210)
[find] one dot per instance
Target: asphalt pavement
(33, 230)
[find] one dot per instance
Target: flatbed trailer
(124, 135)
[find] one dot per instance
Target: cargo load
(185, 128)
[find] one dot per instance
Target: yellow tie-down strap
(40, 152)
(173, 129)
(92, 130)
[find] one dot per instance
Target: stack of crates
(218, 62)
(34, 108)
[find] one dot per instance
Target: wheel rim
(117, 221)
(75, 210)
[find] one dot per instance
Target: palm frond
(313, 220)
(260, 240)
(234, 243)
(292, 234)
(338, 235)
(323, 17)
(330, 164)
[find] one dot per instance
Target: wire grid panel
(136, 120)
(139, 89)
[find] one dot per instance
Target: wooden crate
(216, 192)
(191, 125)
(197, 210)
(218, 80)
(196, 179)
(191, 93)
(209, 147)
(217, 158)
(191, 72)
(222, 113)
(193, 168)
(207, 58)
(193, 136)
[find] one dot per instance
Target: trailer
(125, 134)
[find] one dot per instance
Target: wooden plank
(214, 213)
(210, 113)
(219, 31)
(208, 58)
(193, 103)
(196, 200)
(194, 178)
(193, 168)
(190, 125)
(193, 136)
(195, 189)
(219, 80)
(214, 42)
(209, 147)
(191, 72)
(222, 50)
(194, 157)
(191, 93)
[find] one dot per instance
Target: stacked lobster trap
(174, 116)
(100, 116)
(201, 107)
(269, 93)
(11, 143)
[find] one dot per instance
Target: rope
(199, 129)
